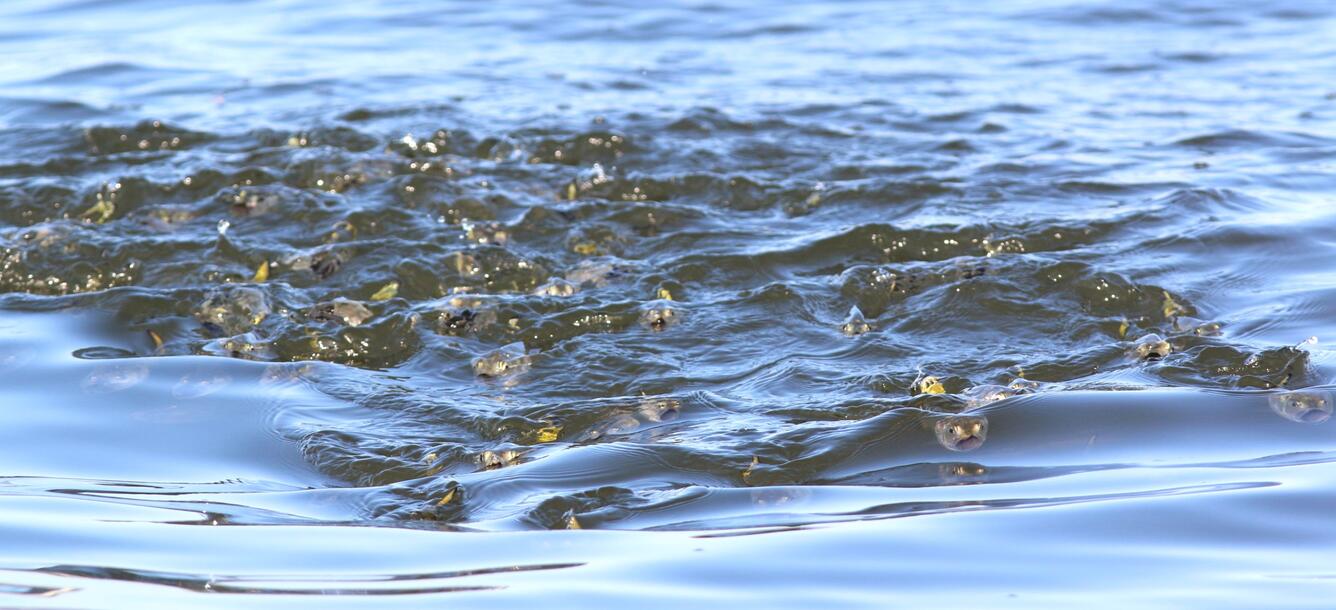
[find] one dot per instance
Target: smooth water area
(518, 304)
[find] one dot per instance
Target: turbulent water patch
(562, 285)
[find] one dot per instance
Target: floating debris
(572, 523)
(99, 212)
(1171, 308)
(929, 385)
(751, 468)
(547, 434)
(386, 292)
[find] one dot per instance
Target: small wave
(1239, 138)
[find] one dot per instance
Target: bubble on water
(200, 383)
(114, 377)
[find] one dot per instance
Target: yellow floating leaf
(570, 192)
(548, 434)
(431, 458)
(931, 385)
(155, 338)
(572, 523)
(342, 230)
(449, 496)
(100, 212)
(1122, 330)
(1171, 307)
(664, 294)
(261, 273)
(386, 292)
(754, 463)
(464, 264)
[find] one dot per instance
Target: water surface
(844, 304)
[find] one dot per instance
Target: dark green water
(412, 304)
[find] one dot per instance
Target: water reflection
(114, 377)
(33, 590)
(293, 584)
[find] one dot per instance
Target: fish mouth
(968, 443)
(1313, 416)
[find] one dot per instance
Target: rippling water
(842, 304)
